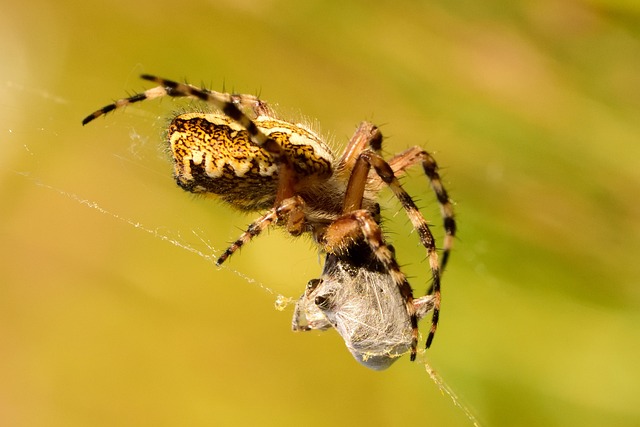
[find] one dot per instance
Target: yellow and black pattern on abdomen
(212, 156)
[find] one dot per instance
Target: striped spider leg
(362, 284)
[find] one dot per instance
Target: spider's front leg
(290, 210)
(355, 225)
(368, 160)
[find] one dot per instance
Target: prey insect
(357, 296)
(254, 161)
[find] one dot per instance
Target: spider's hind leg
(417, 155)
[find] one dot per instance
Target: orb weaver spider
(255, 161)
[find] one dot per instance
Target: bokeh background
(531, 108)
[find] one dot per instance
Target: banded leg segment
(257, 106)
(366, 136)
(367, 160)
(290, 210)
(362, 221)
(416, 155)
(226, 103)
(156, 92)
(227, 106)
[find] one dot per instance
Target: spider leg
(359, 162)
(257, 106)
(361, 223)
(367, 160)
(415, 155)
(228, 104)
(152, 93)
(290, 209)
(228, 107)
(367, 134)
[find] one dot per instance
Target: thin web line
(210, 256)
(445, 389)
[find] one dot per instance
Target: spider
(254, 161)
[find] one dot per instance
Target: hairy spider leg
(257, 106)
(229, 108)
(367, 160)
(283, 210)
(415, 155)
(360, 161)
(367, 135)
(399, 164)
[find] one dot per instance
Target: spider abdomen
(213, 154)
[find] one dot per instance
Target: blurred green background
(531, 108)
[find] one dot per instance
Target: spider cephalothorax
(257, 162)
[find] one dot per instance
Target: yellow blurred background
(531, 108)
